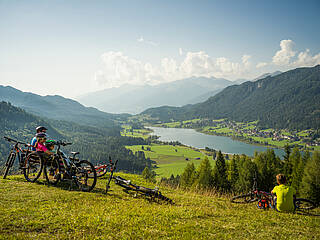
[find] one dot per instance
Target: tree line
(237, 174)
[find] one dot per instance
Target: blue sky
(73, 47)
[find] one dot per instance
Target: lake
(196, 139)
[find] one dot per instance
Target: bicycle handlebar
(16, 141)
(63, 143)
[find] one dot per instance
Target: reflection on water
(193, 138)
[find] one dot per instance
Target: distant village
(308, 138)
(247, 131)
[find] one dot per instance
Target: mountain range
(57, 107)
(287, 100)
(134, 99)
(267, 75)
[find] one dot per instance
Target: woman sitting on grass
(284, 195)
(40, 145)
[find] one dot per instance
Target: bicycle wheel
(154, 194)
(85, 175)
(9, 163)
(244, 198)
(33, 167)
(52, 171)
(304, 204)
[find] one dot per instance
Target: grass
(128, 132)
(170, 159)
(36, 211)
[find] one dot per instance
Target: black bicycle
(151, 194)
(61, 167)
(16, 152)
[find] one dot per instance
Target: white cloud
(261, 64)
(180, 51)
(120, 69)
(283, 56)
(142, 40)
(246, 61)
(288, 58)
(304, 59)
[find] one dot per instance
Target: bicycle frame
(17, 151)
(152, 194)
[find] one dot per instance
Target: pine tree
(268, 166)
(247, 172)
(233, 174)
(204, 180)
(220, 173)
(148, 174)
(295, 160)
(310, 185)
(287, 166)
(188, 176)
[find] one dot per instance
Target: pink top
(41, 147)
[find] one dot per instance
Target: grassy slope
(35, 211)
(170, 159)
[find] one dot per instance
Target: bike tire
(244, 198)
(86, 176)
(304, 204)
(153, 194)
(9, 163)
(52, 171)
(33, 167)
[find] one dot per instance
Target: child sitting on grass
(284, 195)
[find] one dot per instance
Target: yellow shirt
(284, 197)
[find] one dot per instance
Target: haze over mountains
(288, 100)
(135, 99)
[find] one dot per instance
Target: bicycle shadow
(307, 213)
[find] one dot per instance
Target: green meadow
(37, 211)
(170, 159)
(129, 132)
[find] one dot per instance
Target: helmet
(40, 128)
(41, 135)
(50, 143)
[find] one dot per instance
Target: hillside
(36, 211)
(134, 99)
(57, 107)
(94, 144)
(17, 123)
(288, 100)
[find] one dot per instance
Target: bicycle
(80, 172)
(16, 151)
(265, 199)
(102, 169)
(151, 194)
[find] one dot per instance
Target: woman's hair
(281, 179)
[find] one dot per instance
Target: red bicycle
(265, 200)
(102, 169)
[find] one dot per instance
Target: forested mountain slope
(94, 144)
(288, 100)
(57, 107)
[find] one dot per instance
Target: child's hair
(281, 178)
